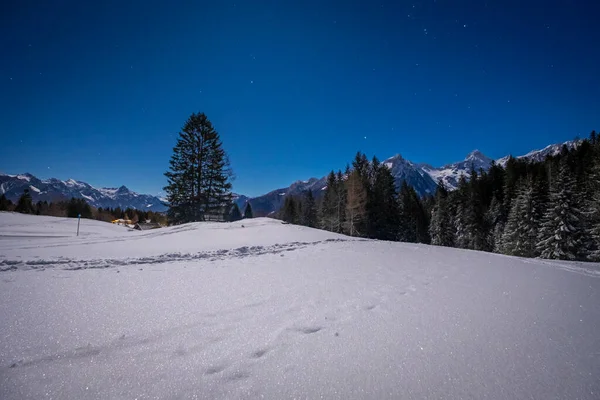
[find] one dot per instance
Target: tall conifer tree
(560, 233)
(199, 179)
(309, 210)
(248, 211)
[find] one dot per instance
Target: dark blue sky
(97, 91)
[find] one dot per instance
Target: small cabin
(220, 217)
(145, 226)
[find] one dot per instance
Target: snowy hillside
(259, 309)
(56, 190)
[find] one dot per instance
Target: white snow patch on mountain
(108, 192)
(259, 309)
(445, 174)
(34, 189)
(540, 155)
(74, 183)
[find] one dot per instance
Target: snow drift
(279, 311)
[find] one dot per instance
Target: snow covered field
(279, 311)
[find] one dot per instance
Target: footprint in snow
(180, 352)
(309, 330)
(237, 376)
(214, 370)
(259, 353)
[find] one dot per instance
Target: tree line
(74, 207)
(548, 209)
(363, 201)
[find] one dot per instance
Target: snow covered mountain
(55, 190)
(423, 177)
(540, 155)
(451, 173)
(413, 174)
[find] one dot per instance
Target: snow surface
(258, 309)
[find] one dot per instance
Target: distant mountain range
(423, 177)
(56, 190)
